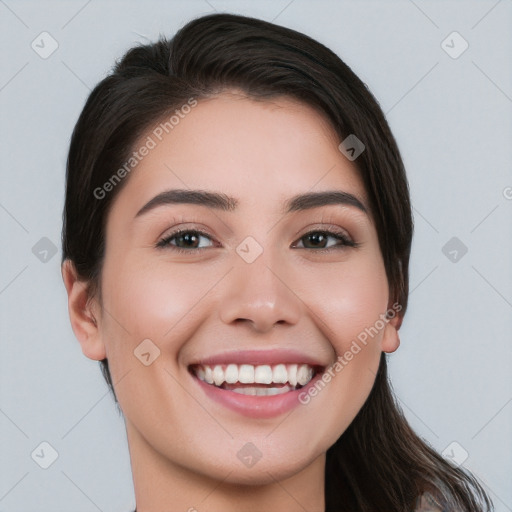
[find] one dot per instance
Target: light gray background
(452, 119)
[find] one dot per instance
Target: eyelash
(340, 236)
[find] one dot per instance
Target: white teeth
(208, 375)
(201, 373)
(280, 375)
(262, 391)
(232, 373)
(270, 391)
(246, 374)
(245, 391)
(218, 375)
(304, 374)
(263, 374)
(292, 374)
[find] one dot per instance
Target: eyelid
(179, 223)
(325, 227)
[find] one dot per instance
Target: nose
(260, 295)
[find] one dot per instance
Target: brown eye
(315, 241)
(188, 240)
(325, 240)
(185, 240)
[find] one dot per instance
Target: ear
(81, 313)
(390, 339)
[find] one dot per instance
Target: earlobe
(83, 320)
(391, 339)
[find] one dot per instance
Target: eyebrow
(220, 201)
(316, 199)
(214, 200)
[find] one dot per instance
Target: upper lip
(259, 357)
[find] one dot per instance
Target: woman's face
(257, 279)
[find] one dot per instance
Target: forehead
(259, 150)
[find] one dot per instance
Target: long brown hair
(378, 464)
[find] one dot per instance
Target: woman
(236, 239)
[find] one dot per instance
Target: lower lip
(256, 406)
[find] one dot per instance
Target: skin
(183, 446)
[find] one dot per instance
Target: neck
(160, 484)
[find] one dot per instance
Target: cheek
(349, 300)
(152, 300)
(163, 303)
(348, 305)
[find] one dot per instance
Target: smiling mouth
(256, 380)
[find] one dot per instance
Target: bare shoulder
(427, 503)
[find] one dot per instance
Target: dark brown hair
(378, 464)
